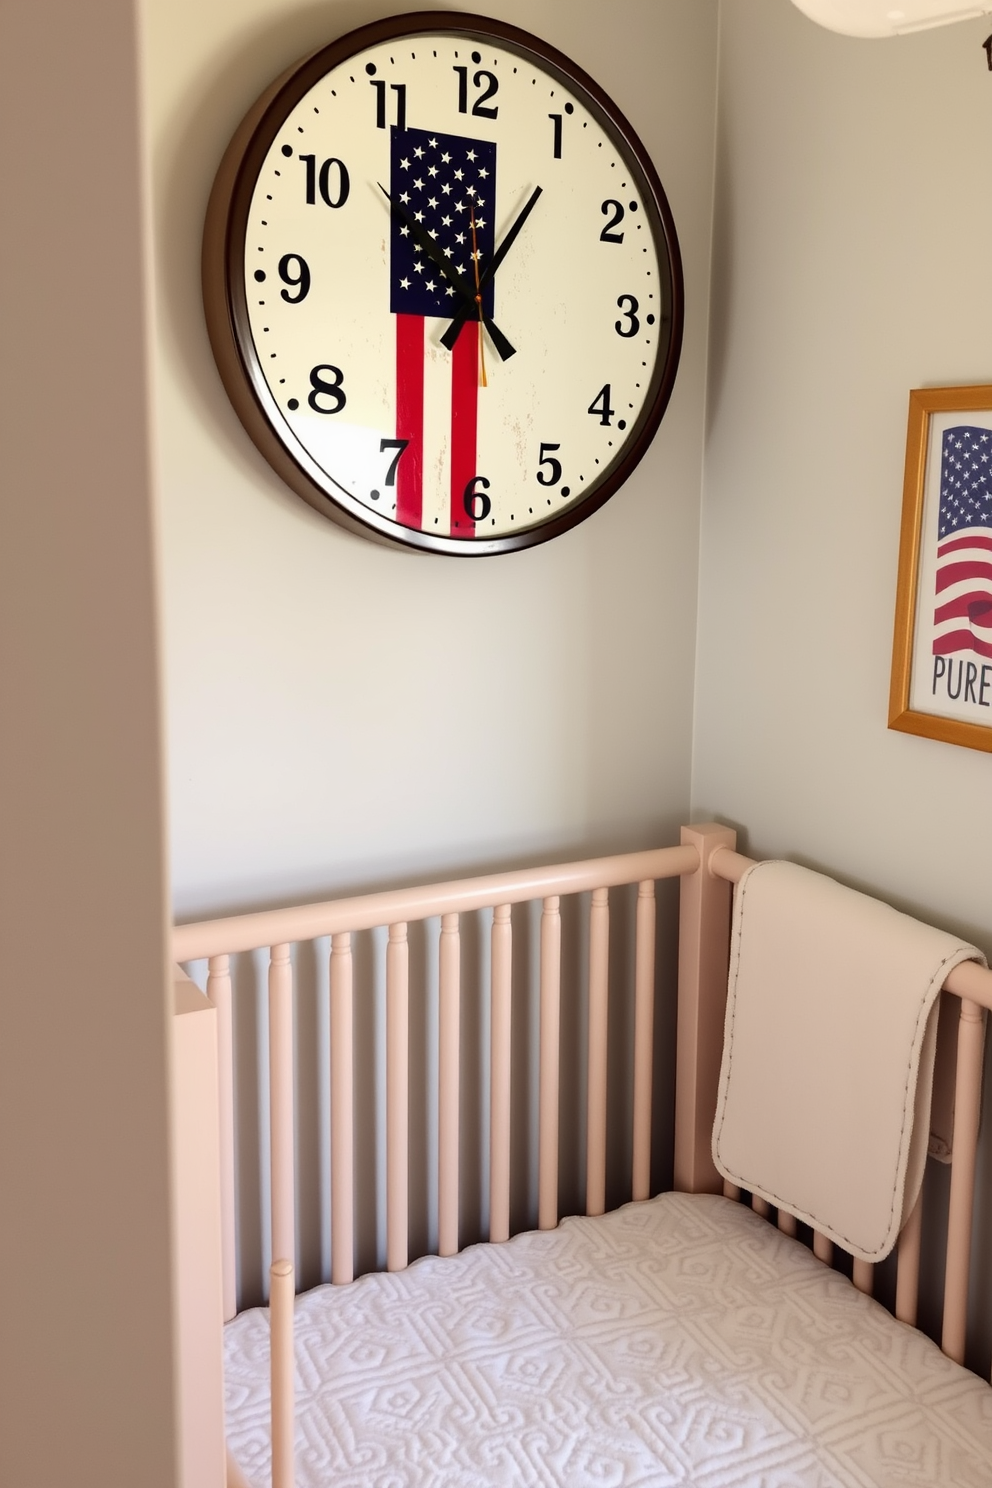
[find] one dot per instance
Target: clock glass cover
(443, 285)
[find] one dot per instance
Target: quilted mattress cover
(682, 1340)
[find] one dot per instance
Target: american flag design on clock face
(451, 302)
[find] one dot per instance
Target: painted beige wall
(86, 1333)
(340, 713)
(851, 263)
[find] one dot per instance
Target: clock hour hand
(471, 300)
(462, 315)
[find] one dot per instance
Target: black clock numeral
(608, 235)
(477, 504)
(300, 280)
(322, 178)
(399, 445)
(321, 387)
(556, 121)
(630, 316)
(478, 106)
(380, 103)
(553, 474)
(600, 406)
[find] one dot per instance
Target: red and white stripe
(457, 447)
(963, 613)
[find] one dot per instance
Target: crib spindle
(449, 964)
(397, 1097)
(499, 1076)
(547, 1203)
(281, 1294)
(787, 1223)
(823, 1248)
(281, 1105)
(967, 1110)
(908, 1265)
(760, 1206)
(643, 1037)
(342, 1111)
(731, 1191)
(863, 1276)
(219, 992)
(599, 976)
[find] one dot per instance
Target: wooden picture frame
(942, 647)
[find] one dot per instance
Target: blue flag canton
(447, 185)
(965, 479)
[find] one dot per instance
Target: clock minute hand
(452, 333)
(460, 285)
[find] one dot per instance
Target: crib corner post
(704, 953)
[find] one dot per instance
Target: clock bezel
(226, 306)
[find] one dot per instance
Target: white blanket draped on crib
(825, 1085)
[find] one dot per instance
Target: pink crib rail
(340, 919)
(708, 865)
(217, 940)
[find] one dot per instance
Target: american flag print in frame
(942, 649)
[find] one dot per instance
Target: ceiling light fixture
(879, 18)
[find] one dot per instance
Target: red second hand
(478, 301)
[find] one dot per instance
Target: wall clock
(443, 286)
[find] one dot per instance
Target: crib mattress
(682, 1340)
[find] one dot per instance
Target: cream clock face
(443, 285)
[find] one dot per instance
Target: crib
(707, 864)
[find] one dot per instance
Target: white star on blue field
(965, 479)
(446, 183)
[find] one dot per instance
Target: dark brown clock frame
(226, 307)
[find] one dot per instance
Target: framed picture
(942, 649)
